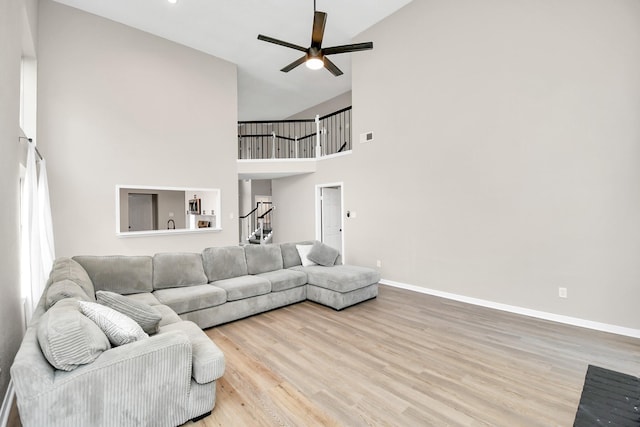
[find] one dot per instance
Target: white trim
(318, 196)
(127, 234)
(6, 404)
(334, 155)
(294, 160)
(568, 320)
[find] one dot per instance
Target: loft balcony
(276, 149)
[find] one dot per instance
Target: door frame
(318, 199)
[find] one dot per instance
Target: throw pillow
(323, 254)
(64, 289)
(303, 251)
(117, 327)
(67, 338)
(143, 314)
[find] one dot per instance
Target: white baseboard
(6, 405)
(574, 321)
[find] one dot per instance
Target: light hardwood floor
(406, 359)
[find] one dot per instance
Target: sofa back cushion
(68, 269)
(290, 255)
(120, 274)
(175, 270)
(263, 258)
(64, 289)
(224, 263)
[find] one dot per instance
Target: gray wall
(506, 159)
(120, 106)
(329, 106)
(12, 27)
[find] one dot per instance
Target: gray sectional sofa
(148, 362)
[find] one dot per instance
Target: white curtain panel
(37, 251)
(47, 248)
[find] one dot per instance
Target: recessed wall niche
(149, 210)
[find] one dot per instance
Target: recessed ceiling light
(173, 1)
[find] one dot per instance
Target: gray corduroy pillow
(69, 339)
(143, 314)
(323, 254)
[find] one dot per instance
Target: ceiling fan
(315, 56)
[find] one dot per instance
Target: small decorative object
(194, 206)
(204, 224)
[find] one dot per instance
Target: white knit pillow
(119, 328)
(303, 251)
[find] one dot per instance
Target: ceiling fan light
(314, 63)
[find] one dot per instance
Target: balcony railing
(295, 139)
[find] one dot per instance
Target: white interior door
(332, 217)
(140, 212)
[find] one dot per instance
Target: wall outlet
(562, 292)
(378, 263)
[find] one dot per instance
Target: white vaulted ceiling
(228, 29)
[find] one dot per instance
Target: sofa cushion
(282, 280)
(69, 339)
(183, 300)
(224, 263)
(290, 256)
(67, 268)
(145, 297)
(208, 360)
(118, 328)
(120, 274)
(168, 315)
(64, 289)
(263, 258)
(340, 278)
(323, 254)
(143, 314)
(244, 287)
(172, 270)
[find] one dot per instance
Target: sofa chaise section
(337, 286)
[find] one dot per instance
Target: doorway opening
(143, 212)
(329, 218)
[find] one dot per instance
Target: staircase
(261, 235)
(258, 224)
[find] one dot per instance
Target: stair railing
(248, 220)
(256, 221)
(264, 224)
(295, 139)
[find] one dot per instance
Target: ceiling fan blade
(347, 48)
(332, 67)
(281, 43)
(294, 64)
(319, 21)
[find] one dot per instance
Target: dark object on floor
(609, 398)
